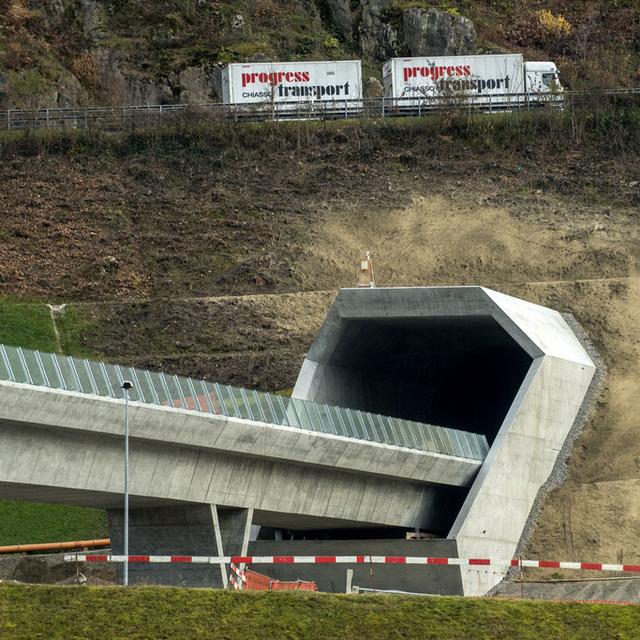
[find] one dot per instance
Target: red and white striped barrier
(237, 579)
(362, 559)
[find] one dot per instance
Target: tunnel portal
(449, 371)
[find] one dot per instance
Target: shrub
(331, 43)
(267, 12)
(18, 14)
(553, 25)
(29, 89)
(15, 57)
(83, 67)
(452, 11)
(540, 28)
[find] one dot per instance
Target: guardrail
(127, 118)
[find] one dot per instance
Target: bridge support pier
(193, 530)
(232, 529)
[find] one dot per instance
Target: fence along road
(127, 118)
(360, 559)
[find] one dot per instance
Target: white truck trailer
(294, 88)
(486, 81)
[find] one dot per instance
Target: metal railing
(94, 378)
(127, 118)
(130, 117)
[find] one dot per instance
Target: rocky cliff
(59, 53)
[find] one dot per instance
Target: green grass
(24, 522)
(154, 612)
(26, 325)
(72, 326)
(29, 324)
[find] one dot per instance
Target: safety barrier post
(521, 578)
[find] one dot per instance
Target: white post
(349, 581)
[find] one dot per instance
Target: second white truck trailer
(496, 81)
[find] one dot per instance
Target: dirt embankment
(194, 223)
(226, 270)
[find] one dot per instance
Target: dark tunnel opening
(459, 372)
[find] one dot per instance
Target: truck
(487, 82)
(301, 89)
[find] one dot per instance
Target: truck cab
(542, 78)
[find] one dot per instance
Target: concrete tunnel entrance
(460, 372)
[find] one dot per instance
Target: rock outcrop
(429, 32)
(378, 38)
(341, 18)
(91, 15)
(196, 86)
(116, 87)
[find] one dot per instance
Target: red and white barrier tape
(515, 562)
(237, 579)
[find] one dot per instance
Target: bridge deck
(101, 379)
(297, 464)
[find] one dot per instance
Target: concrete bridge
(354, 458)
(209, 460)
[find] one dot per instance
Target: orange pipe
(55, 546)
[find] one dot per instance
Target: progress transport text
(466, 85)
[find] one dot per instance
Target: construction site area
(461, 424)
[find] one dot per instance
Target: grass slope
(26, 325)
(30, 325)
(151, 612)
(24, 522)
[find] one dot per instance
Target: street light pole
(126, 387)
